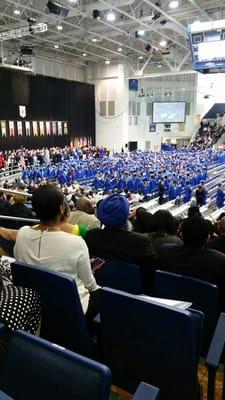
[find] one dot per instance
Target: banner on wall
(3, 128)
(35, 128)
(59, 125)
(27, 128)
(11, 128)
(48, 128)
(41, 128)
(54, 130)
(152, 128)
(22, 111)
(19, 128)
(65, 128)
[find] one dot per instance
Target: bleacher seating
(142, 340)
(62, 317)
(120, 275)
(203, 296)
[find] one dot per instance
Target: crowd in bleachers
(208, 134)
(78, 233)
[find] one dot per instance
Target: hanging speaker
(57, 8)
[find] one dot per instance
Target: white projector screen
(170, 112)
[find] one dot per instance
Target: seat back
(62, 317)
(120, 275)
(203, 295)
(36, 369)
(145, 341)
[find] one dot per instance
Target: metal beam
(200, 10)
(170, 73)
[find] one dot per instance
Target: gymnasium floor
(118, 394)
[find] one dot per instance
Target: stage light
(96, 14)
(111, 16)
(107, 62)
(59, 27)
(84, 55)
(174, 4)
(56, 46)
(17, 12)
(140, 57)
(120, 49)
(163, 43)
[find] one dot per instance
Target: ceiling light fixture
(141, 32)
(84, 55)
(111, 16)
(17, 12)
(72, 1)
(163, 43)
(59, 27)
(94, 40)
(56, 46)
(174, 4)
(107, 62)
(140, 57)
(159, 66)
(120, 49)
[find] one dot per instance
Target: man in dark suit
(193, 259)
(219, 242)
(115, 241)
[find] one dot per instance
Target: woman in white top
(49, 247)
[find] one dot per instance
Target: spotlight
(148, 47)
(111, 16)
(96, 14)
(57, 8)
(174, 4)
(163, 43)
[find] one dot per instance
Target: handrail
(25, 194)
(5, 217)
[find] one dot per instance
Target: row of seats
(36, 369)
(138, 339)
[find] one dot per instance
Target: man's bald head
(221, 226)
(84, 204)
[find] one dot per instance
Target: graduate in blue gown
(220, 196)
(187, 193)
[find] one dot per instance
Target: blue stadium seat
(146, 392)
(62, 318)
(203, 295)
(4, 396)
(120, 275)
(215, 356)
(36, 369)
(144, 341)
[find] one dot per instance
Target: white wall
(110, 85)
(212, 85)
(59, 70)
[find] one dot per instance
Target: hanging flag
(48, 129)
(11, 128)
(54, 131)
(19, 128)
(27, 128)
(59, 123)
(22, 111)
(35, 128)
(41, 128)
(65, 127)
(3, 128)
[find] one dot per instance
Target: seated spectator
(47, 246)
(219, 242)
(18, 208)
(4, 204)
(164, 229)
(114, 241)
(141, 220)
(193, 258)
(194, 211)
(84, 214)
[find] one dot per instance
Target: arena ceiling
(80, 39)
